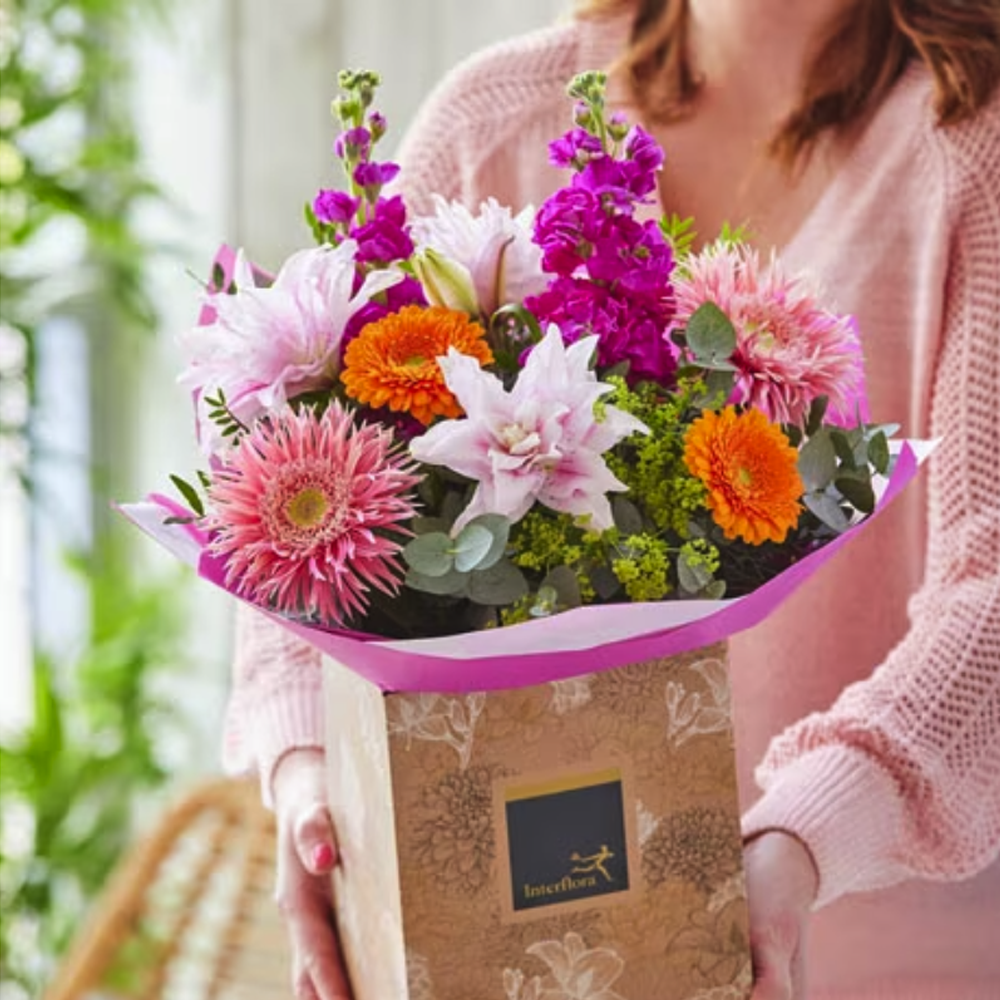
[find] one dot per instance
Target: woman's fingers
(315, 842)
(307, 853)
(781, 886)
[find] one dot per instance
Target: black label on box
(566, 839)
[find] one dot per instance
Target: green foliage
(470, 565)
(652, 466)
(69, 170)
(679, 233)
(69, 781)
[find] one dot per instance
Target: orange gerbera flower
(393, 361)
(750, 469)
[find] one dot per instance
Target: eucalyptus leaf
(431, 554)
(471, 544)
(878, 452)
(827, 510)
(564, 583)
(711, 335)
(604, 582)
(857, 490)
(817, 411)
(719, 385)
(501, 584)
(451, 583)
(715, 591)
(692, 577)
(627, 516)
(546, 602)
(845, 443)
(499, 528)
(427, 525)
(817, 462)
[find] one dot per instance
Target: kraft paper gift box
(578, 838)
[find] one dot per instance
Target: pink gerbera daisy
(789, 350)
(309, 512)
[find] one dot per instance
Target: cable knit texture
(872, 697)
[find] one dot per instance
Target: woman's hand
(781, 887)
(307, 853)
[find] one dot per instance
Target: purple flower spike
(574, 149)
(335, 207)
(374, 175)
(356, 141)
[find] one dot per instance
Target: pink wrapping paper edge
(584, 640)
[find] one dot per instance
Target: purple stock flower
(335, 207)
(384, 237)
(629, 326)
(374, 175)
(575, 148)
(643, 150)
(355, 141)
(566, 227)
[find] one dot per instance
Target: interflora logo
(566, 839)
(583, 875)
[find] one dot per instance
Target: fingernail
(322, 856)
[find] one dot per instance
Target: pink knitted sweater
(868, 707)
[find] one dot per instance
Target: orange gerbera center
(750, 470)
(393, 361)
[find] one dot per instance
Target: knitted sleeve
(901, 777)
(275, 702)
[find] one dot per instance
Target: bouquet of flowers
(471, 420)
(495, 464)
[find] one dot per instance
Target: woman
(861, 138)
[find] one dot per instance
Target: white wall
(234, 105)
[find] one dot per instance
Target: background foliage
(71, 182)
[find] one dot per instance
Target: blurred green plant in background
(71, 182)
(70, 783)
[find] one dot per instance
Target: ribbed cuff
(845, 809)
(285, 719)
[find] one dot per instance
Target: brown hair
(863, 55)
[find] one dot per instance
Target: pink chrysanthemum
(789, 350)
(309, 513)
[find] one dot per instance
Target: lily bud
(445, 282)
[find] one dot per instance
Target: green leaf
(546, 602)
(857, 490)
(431, 554)
(627, 516)
(827, 510)
(501, 584)
(451, 583)
(471, 545)
(499, 528)
(817, 462)
(425, 525)
(878, 452)
(817, 411)
(565, 585)
(719, 384)
(190, 494)
(711, 334)
(604, 582)
(693, 578)
(715, 591)
(844, 443)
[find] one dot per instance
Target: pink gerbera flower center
(302, 508)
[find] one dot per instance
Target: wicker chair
(189, 914)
